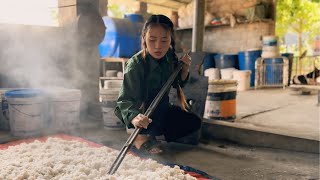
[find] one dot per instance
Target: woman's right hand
(141, 121)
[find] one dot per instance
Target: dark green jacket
(133, 89)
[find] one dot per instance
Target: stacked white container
(64, 109)
(270, 47)
(108, 97)
(212, 73)
(243, 79)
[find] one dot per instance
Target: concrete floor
(222, 159)
(277, 118)
(276, 111)
(281, 111)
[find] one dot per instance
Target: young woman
(146, 73)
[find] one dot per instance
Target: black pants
(173, 123)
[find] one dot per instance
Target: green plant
(299, 17)
(115, 11)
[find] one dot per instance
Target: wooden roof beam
(170, 4)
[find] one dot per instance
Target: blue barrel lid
(23, 93)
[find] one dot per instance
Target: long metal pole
(149, 111)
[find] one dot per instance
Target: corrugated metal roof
(171, 4)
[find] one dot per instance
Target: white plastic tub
(64, 108)
(243, 79)
(27, 111)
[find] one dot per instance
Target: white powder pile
(62, 159)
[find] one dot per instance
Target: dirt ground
(221, 159)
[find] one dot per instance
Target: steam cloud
(34, 56)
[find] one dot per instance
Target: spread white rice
(65, 160)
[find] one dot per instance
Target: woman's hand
(141, 121)
(186, 59)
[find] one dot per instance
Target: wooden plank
(111, 59)
(110, 78)
(170, 4)
(310, 87)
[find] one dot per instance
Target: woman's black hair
(166, 24)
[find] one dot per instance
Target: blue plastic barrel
(247, 61)
(274, 71)
(122, 38)
(290, 57)
(208, 61)
(226, 61)
(134, 17)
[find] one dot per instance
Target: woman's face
(158, 41)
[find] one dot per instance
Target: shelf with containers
(121, 41)
(104, 71)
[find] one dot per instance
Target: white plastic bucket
(270, 52)
(221, 100)
(270, 40)
(26, 111)
(212, 73)
(64, 108)
(108, 104)
(227, 73)
(270, 47)
(243, 79)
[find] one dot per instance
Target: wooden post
(198, 25)
(142, 9)
(67, 11)
(174, 18)
(103, 7)
(274, 15)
